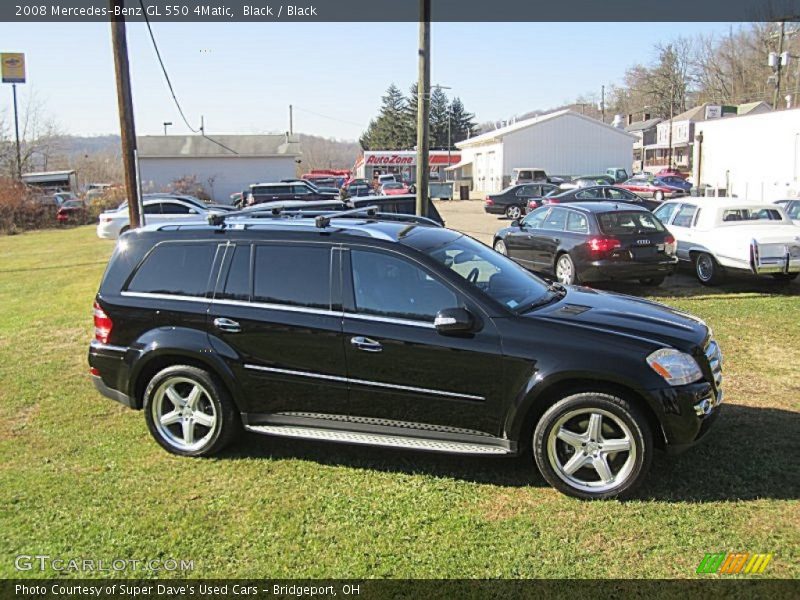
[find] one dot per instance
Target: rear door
(276, 317)
(401, 369)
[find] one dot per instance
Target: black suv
(391, 330)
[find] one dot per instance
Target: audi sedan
(591, 241)
(601, 193)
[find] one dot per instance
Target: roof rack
(322, 218)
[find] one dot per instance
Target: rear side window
(577, 222)
(629, 222)
(293, 275)
(237, 282)
(175, 208)
(179, 269)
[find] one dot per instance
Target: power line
(171, 89)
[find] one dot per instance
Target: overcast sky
(242, 77)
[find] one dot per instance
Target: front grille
(714, 358)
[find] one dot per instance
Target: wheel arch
(545, 394)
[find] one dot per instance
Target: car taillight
(669, 245)
(489, 201)
(102, 324)
(600, 246)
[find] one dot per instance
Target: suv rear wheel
(188, 412)
(593, 446)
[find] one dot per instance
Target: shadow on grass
(750, 453)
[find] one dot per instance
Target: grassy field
(80, 476)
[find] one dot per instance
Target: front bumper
(686, 413)
(604, 270)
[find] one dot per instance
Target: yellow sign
(13, 67)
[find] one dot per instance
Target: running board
(374, 439)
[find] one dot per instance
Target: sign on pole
(13, 67)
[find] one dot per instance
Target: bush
(21, 211)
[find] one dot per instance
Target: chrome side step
(375, 439)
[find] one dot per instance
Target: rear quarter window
(178, 269)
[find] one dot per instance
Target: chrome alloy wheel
(183, 413)
(591, 450)
(500, 246)
(705, 267)
(513, 212)
(564, 270)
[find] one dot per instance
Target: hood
(625, 315)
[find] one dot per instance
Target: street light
(166, 124)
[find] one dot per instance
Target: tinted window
(294, 275)
(629, 222)
(615, 194)
(151, 209)
(556, 220)
(577, 222)
(300, 190)
(684, 216)
(181, 269)
(237, 282)
(389, 286)
(271, 190)
(173, 208)
(590, 194)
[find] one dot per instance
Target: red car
(651, 187)
(667, 171)
(72, 211)
(394, 188)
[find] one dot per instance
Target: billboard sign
(13, 67)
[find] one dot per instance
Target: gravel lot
(469, 217)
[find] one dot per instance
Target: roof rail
(322, 218)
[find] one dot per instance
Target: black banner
(403, 10)
(373, 589)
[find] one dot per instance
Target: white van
(528, 175)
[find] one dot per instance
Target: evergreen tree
(462, 123)
(439, 118)
(388, 131)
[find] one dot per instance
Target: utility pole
(778, 68)
(603, 102)
(119, 45)
(423, 105)
(671, 115)
(291, 121)
(16, 132)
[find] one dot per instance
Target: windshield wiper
(555, 291)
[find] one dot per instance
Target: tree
(439, 118)
(388, 131)
(462, 123)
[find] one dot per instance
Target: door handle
(366, 344)
(227, 325)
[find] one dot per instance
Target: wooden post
(423, 106)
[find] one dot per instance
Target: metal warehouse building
(751, 156)
(221, 164)
(561, 143)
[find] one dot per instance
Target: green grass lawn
(80, 476)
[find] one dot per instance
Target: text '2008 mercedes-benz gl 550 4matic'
(391, 330)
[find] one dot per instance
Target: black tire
(786, 277)
(566, 263)
(513, 211)
(653, 281)
(572, 413)
(214, 399)
(707, 269)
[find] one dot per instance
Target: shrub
(21, 211)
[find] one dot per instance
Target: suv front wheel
(188, 412)
(593, 446)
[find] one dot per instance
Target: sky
(243, 76)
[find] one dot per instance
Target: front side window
(293, 275)
(495, 275)
(178, 269)
(535, 219)
(175, 208)
(684, 216)
(389, 286)
(794, 210)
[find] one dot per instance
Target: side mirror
(516, 223)
(454, 320)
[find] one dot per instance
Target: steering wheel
(473, 275)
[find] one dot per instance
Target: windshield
(494, 274)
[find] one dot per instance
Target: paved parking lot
(469, 217)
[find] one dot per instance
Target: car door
(400, 368)
(545, 240)
(519, 241)
(276, 317)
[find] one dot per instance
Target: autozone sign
(390, 159)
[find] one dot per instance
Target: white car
(792, 208)
(721, 235)
(113, 223)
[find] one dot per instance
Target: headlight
(677, 368)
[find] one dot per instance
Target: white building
(561, 143)
(221, 164)
(754, 156)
